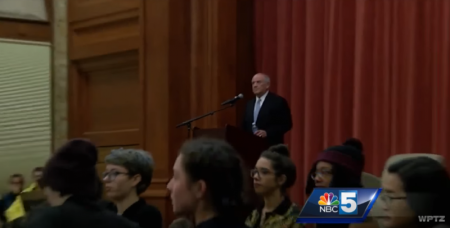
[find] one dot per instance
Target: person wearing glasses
(128, 174)
(273, 175)
(414, 189)
(337, 167)
(70, 184)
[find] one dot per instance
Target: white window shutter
(25, 108)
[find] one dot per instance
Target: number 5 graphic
(348, 205)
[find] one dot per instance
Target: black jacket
(274, 117)
(76, 213)
(147, 216)
(219, 222)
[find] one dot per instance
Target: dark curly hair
(282, 164)
(221, 168)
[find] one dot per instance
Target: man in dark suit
(267, 115)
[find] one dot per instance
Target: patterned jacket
(284, 216)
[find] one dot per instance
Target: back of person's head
(347, 162)
(425, 182)
(72, 170)
(182, 223)
(208, 175)
(280, 164)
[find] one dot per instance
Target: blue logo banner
(338, 205)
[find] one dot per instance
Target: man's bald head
(260, 84)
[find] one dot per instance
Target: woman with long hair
(208, 184)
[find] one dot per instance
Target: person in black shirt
(128, 174)
(208, 184)
(70, 184)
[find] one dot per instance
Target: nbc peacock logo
(328, 199)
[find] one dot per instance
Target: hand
(261, 133)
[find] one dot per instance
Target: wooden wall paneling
(222, 61)
(213, 66)
(167, 79)
(166, 62)
(106, 103)
(25, 30)
(109, 96)
(18, 29)
(191, 66)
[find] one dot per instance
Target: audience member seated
(208, 184)
(70, 183)
(337, 167)
(128, 174)
(376, 210)
(11, 206)
(273, 175)
(414, 188)
(36, 175)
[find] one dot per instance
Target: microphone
(232, 101)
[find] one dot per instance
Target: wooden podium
(246, 144)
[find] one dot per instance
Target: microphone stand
(188, 123)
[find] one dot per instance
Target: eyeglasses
(259, 173)
(112, 175)
(388, 199)
(321, 173)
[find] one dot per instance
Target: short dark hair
(16, 175)
(221, 168)
(72, 170)
(425, 181)
(38, 169)
(282, 164)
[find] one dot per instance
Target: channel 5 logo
(338, 205)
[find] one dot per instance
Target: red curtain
(377, 70)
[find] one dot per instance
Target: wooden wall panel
(25, 30)
(222, 65)
(28, 30)
(138, 68)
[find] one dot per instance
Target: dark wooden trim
(20, 20)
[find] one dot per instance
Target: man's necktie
(256, 110)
